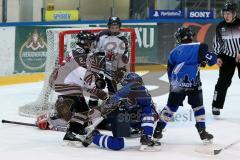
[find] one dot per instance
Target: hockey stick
(19, 123)
(92, 127)
(217, 151)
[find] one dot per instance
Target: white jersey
(115, 48)
(72, 77)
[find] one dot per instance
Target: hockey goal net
(60, 42)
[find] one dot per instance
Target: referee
(227, 47)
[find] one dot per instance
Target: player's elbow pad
(213, 60)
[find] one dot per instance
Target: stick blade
(208, 149)
(217, 151)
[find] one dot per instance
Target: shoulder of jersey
(80, 50)
(222, 23)
(104, 33)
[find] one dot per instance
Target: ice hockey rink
(181, 140)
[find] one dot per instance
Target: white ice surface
(180, 138)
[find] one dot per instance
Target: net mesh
(60, 42)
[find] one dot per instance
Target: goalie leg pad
(66, 105)
(63, 107)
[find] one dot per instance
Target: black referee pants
(226, 73)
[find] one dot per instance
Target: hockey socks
(109, 142)
(199, 114)
(166, 115)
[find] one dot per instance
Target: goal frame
(132, 59)
(55, 56)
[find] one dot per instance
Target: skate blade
(207, 142)
(216, 117)
(76, 144)
(145, 148)
(156, 139)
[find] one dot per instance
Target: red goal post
(132, 38)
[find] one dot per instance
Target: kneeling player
(130, 107)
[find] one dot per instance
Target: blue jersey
(141, 109)
(137, 102)
(184, 65)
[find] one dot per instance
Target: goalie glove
(99, 93)
(119, 75)
(42, 122)
(51, 121)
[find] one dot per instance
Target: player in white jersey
(74, 77)
(114, 46)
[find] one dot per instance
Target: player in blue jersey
(129, 108)
(184, 65)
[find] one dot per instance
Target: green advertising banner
(146, 43)
(30, 49)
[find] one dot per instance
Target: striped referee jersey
(227, 39)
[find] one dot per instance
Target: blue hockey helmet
(131, 77)
(184, 34)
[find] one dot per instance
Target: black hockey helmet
(184, 34)
(131, 77)
(85, 38)
(229, 6)
(114, 21)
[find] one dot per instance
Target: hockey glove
(100, 83)
(120, 74)
(99, 93)
(42, 122)
(125, 90)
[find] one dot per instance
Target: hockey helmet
(229, 6)
(85, 38)
(184, 33)
(114, 21)
(131, 77)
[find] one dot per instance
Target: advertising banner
(154, 41)
(158, 14)
(30, 49)
(146, 43)
(200, 14)
(61, 15)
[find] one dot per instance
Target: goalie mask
(184, 35)
(131, 77)
(85, 39)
